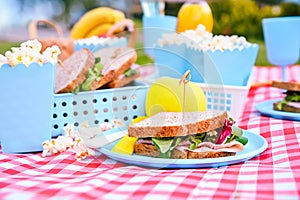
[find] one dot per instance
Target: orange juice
(193, 13)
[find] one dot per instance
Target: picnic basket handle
(32, 29)
(121, 25)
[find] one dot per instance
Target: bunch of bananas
(96, 22)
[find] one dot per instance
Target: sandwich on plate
(291, 101)
(207, 134)
(120, 60)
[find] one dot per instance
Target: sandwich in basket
(199, 134)
(110, 67)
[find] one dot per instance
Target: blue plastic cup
(282, 40)
(154, 27)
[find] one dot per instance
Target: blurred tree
(290, 9)
(271, 2)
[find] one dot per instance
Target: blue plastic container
(26, 106)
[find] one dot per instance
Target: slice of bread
(152, 151)
(73, 71)
(172, 124)
(293, 86)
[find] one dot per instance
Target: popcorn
(55, 146)
(51, 54)
(71, 139)
(3, 60)
(29, 52)
(35, 45)
(203, 40)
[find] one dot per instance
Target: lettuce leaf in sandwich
(291, 96)
(94, 73)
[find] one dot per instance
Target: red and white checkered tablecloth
(275, 174)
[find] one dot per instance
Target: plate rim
(152, 162)
(261, 108)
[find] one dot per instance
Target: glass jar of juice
(192, 13)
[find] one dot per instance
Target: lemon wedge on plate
(125, 145)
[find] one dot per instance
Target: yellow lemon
(125, 145)
(190, 15)
(165, 94)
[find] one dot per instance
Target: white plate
(266, 108)
(256, 145)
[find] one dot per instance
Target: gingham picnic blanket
(274, 174)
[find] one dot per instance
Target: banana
(101, 29)
(93, 19)
(118, 15)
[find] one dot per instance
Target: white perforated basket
(128, 103)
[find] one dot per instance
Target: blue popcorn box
(95, 45)
(174, 60)
(230, 67)
(26, 106)
(195, 64)
(170, 60)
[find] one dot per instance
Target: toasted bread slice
(152, 151)
(172, 124)
(293, 86)
(73, 71)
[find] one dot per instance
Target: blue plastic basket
(128, 103)
(98, 106)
